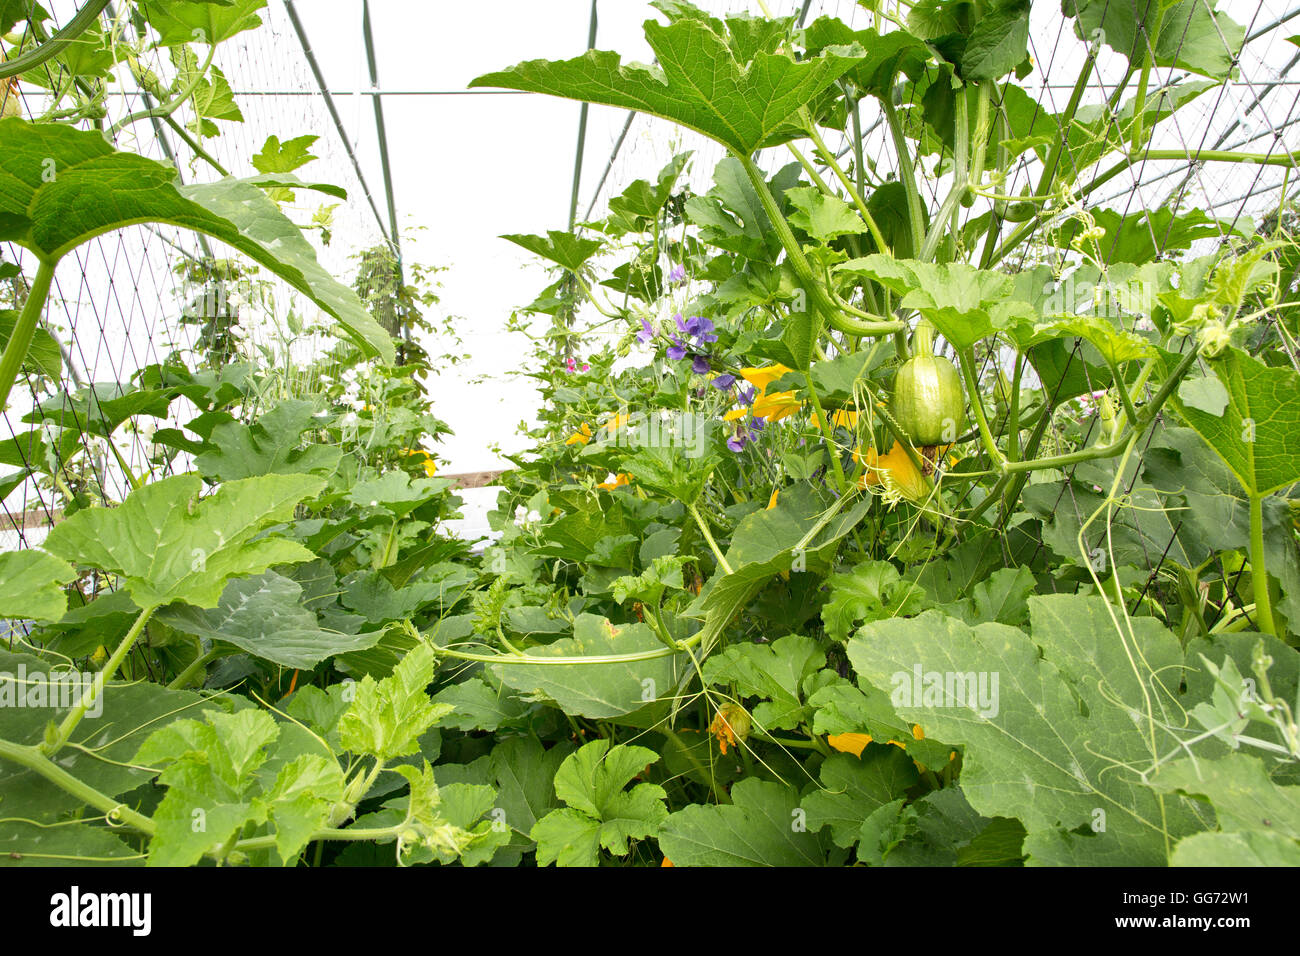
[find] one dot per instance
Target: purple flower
(736, 443)
(646, 334)
(676, 351)
(701, 328)
(746, 396)
(756, 425)
(701, 365)
(681, 326)
(677, 274)
(723, 382)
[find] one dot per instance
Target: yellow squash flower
(618, 481)
(430, 466)
(842, 418)
(761, 378)
(581, 436)
(849, 743)
(776, 406)
(617, 422)
(893, 471)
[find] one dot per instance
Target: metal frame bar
(333, 111)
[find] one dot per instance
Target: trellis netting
(1256, 110)
(132, 297)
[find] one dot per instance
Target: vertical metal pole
(582, 131)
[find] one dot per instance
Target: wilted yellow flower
(618, 481)
(730, 724)
(617, 422)
(771, 502)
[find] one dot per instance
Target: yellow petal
(771, 502)
(917, 732)
(761, 378)
(735, 413)
(849, 743)
(776, 406)
(581, 436)
(617, 422)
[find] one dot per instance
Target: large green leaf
(171, 545)
(999, 43)
(764, 545)
(598, 690)
(762, 826)
(853, 788)
(60, 187)
(30, 585)
(783, 672)
(271, 445)
(264, 616)
(208, 21)
(43, 352)
(101, 746)
(1258, 433)
(887, 55)
(1061, 742)
(964, 303)
(600, 813)
(709, 79)
(1190, 34)
(1245, 798)
(562, 248)
(388, 716)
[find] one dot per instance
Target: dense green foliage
(721, 624)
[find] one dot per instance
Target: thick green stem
(73, 718)
(195, 666)
(171, 106)
(1140, 102)
(34, 760)
(25, 328)
(629, 658)
(829, 159)
(967, 357)
(906, 172)
(708, 537)
(1054, 156)
(1258, 568)
(56, 44)
(825, 427)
